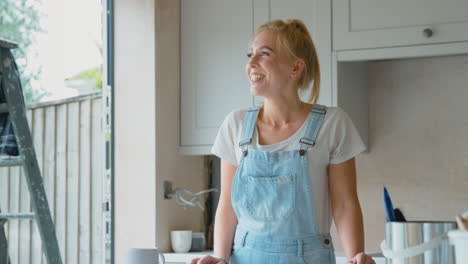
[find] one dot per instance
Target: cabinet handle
(427, 32)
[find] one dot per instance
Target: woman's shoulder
(236, 116)
(233, 121)
(335, 113)
(335, 117)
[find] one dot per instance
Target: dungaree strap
(248, 128)
(313, 125)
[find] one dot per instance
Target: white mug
(144, 256)
(181, 240)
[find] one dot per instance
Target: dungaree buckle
(319, 110)
(307, 142)
(244, 145)
(303, 142)
(245, 142)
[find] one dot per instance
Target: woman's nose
(252, 61)
(250, 65)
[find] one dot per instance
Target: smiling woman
(287, 165)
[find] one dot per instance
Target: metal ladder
(15, 106)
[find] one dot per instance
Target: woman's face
(269, 68)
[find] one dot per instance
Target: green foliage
(19, 20)
(94, 75)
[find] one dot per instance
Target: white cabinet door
(214, 42)
(362, 24)
(316, 15)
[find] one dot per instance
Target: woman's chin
(255, 91)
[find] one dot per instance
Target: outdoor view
(59, 58)
(60, 42)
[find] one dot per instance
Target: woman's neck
(282, 112)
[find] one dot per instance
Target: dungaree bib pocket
(270, 198)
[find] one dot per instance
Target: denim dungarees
(272, 198)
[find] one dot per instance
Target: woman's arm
(345, 207)
(226, 219)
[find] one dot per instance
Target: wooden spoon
(462, 222)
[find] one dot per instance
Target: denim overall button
(302, 152)
(326, 241)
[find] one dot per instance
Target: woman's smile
(256, 76)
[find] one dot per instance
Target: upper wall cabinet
(215, 35)
(214, 40)
(364, 24)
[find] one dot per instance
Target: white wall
(418, 141)
(135, 126)
(147, 128)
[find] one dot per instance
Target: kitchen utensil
(418, 242)
(388, 206)
(399, 217)
(462, 222)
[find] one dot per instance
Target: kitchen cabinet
(214, 42)
(368, 30)
(214, 39)
(367, 24)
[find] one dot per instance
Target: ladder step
(14, 161)
(8, 44)
(17, 216)
(3, 108)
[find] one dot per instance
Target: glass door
(108, 120)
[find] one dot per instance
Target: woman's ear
(298, 68)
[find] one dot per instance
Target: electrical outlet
(167, 186)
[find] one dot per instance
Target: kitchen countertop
(182, 258)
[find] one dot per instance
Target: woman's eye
(263, 53)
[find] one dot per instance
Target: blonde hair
(295, 39)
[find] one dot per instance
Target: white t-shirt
(337, 141)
